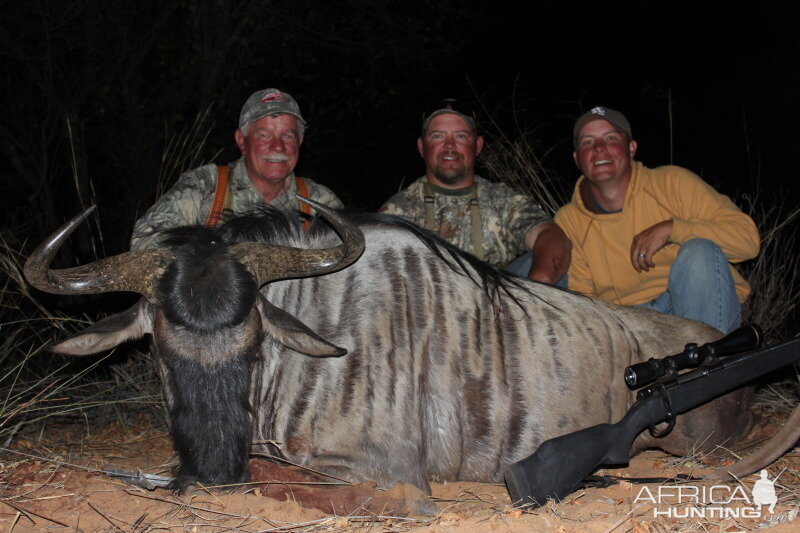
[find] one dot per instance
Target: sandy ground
(59, 494)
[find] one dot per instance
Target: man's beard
(451, 177)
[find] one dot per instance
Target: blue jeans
(522, 265)
(701, 287)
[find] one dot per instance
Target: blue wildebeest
(375, 352)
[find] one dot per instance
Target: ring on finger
(641, 255)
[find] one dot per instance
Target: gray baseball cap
(613, 117)
(268, 102)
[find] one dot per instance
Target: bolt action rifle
(560, 464)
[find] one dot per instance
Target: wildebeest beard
(210, 419)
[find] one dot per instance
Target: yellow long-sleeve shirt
(601, 265)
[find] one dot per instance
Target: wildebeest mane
(203, 288)
(268, 225)
(491, 279)
(277, 226)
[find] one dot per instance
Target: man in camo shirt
(489, 220)
(269, 136)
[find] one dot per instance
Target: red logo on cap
(274, 97)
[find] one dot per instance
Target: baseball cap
(268, 102)
(612, 116)
(449, 109)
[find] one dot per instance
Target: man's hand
(647, 243)
(552, 252)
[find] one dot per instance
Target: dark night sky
(726, 77)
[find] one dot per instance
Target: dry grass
(183, 151)
(36, 386)
(518, 159)
(774, 275)
(778, 398)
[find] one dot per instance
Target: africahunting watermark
(717, 501)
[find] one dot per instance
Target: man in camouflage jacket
(269, 136)
(490, 220)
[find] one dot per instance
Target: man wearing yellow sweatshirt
(661, 238)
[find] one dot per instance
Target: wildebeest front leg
(385, 473)
(280, 482)
(406, 478)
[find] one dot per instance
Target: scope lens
(630, 377)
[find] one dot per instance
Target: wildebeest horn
(131, 271)
(270, 262)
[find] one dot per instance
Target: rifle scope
(739, 340)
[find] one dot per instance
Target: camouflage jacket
(506, 216)
(189, 201)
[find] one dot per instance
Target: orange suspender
(302, 189)
(221, 192)
(219, 197)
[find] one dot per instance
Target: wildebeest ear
(109, 332)
(292, 333)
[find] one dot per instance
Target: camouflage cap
(268, 102)
(449, 109)
(613, 117)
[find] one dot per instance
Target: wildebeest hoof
(426, 508)
(187, 490)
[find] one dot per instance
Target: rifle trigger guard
(669, 418)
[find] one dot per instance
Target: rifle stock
(559, 464)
